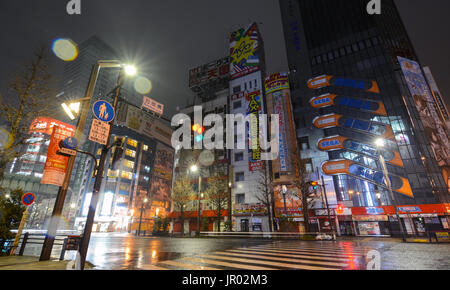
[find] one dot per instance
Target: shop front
(372, 221)
(208, 221)
(250, 218)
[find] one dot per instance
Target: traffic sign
(67, 151)
(103, 111)
(28, 199)
(99, 132)
(70, 143)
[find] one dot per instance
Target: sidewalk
(32, 263)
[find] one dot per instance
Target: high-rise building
(349, 88)
(247, 97)
(209, 82)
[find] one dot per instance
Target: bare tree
(265, 194)
(217, 193)
(30, 94)
(305, 192)
(182, 194)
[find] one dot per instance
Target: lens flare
(65, 49)
(5, 139)
(143, 85)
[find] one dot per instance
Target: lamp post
(379, 144)
(194, 168)
(62, 192)
(328, 208)
(284, 191)
(140, 218)
(99, 177)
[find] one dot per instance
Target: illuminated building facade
(26, 171)
(349, 88)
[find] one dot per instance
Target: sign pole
(19, 232)
(62, 192)
(98, 182)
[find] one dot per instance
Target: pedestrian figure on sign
(103, 111)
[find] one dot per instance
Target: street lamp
(379, 144)
(62, 192)
(194, 168)
(140, 218)
(284, 191)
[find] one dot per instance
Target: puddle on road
(132, 260)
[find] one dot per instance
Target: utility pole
(98, 180)
(328, 208)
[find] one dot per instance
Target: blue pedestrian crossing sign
(103, 111)
(28, 199)
(70, 143)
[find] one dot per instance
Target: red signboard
(56, 165)
(45, 125)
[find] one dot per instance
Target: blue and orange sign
(331, 143)
(327, 121)
(327, 100)
(326, 81)
(339, 167)
(28, 199)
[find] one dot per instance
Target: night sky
(166, 38)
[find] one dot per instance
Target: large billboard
(162, 173)
(277, 92)
(435, 129)
(45, 125)
(215, 70)
(254, 107)
(244, 51)
(141, 122)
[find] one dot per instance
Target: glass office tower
(340, 39)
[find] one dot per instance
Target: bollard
(24, 243)
(63, 250)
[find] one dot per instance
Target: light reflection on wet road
(124, 251)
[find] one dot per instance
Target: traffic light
(199, 130)
(118, 152)
(340, 209)
(315, 185)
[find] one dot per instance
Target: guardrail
(37, 237)
(271, 235)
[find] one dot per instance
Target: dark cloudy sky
(166, 38)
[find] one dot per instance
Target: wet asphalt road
(123, 251)
(113, 251)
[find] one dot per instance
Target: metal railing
(37, 237)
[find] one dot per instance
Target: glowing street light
(380, 142)
(130, 70)
(194, 168)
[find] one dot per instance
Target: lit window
(132, 142)
(127, 175)
(99, 151)
(145, 148)
(129, 164)
(130, 153)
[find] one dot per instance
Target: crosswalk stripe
(186, 265)
(300, 255)
(151, 267)
(305, 267)
(227, 264)
(314, 250)
(301, 252)
(325, 263)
